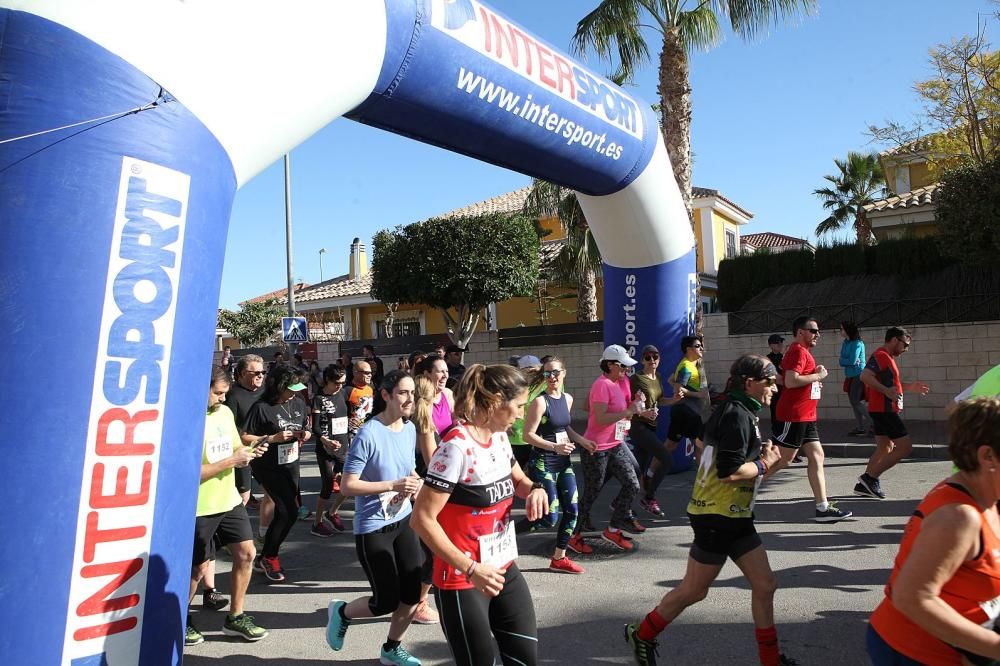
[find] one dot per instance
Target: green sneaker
(645, 651)
(397, 657)
(242, 625)
(192, 636)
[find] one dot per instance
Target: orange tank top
(973, 591)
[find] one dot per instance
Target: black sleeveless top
(555, 419)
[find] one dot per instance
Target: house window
(400, 329)
(730, 244)
(902, 179)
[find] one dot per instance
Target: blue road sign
(294, 329)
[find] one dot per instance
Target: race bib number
(218, 449)
(338, 426)
(621, 429)
(500, 548)
(392, 502)
(899, 402)
(288, 453)
(816, 391)
(562, 437)
(992, 610)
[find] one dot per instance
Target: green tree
(255, 323)
(457, 265)
(579, 261)
(858, 182)
(968, 212)
(614, 30)
(961, 117)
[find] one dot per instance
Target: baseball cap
(618, 353)
(649, 349)
(528, 361)
(775, 339)
(297, 386)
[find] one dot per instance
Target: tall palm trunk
(586, 296)
(675, 123)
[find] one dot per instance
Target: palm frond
(613, 30)
(752, 18)
(699, 29)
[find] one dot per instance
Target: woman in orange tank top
(943, 598)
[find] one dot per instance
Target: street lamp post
(322, 251)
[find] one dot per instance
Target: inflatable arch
(125, 129)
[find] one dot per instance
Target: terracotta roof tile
(922, 196)
(279, 294)
(508, 202)
(703, 192)
(338, 287)
(770, 239)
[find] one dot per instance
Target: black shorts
(888, 424)
(684, 422)
(793, 435)
(231, 527)
(718, 537)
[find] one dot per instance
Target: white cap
(528, 361)
(618, 353)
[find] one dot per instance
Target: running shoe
(651, 506)
(797, 458)
(645, 652)
(565, 565)
(336, 485)
(425, 614)
(335, 521)
(832, 514)
(304, 513)
(336, 628)
(192, 636)
(257, 566)
(868, 486)
(397, 657)
(617, 539)
(271, 567)
(578, 545)
(242, 625)
(632, 526)
(322, 529)
(214, 599)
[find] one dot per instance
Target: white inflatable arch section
(125, 129)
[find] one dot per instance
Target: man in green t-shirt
(220, 511)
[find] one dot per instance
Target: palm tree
(614, 30)
(859, 180)
(579, 260)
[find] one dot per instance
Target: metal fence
(936, 310)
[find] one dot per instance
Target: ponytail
(483, 388)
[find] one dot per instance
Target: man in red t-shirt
(797, 414)
(884, 392)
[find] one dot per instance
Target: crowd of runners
(433, 454)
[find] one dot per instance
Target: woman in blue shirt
(380, 474)
(852, 360)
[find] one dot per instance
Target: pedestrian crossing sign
(294, 329)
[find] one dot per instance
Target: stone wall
(947, 357)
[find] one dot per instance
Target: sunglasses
(365, 372)
(814, 331)
(257, 373)
(651, 357)
(906, 345)
(552, 373)
(697, 346)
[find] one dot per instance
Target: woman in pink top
(611, 408)
(435, 369)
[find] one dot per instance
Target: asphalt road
(830, 578)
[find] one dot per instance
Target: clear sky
(769, 117)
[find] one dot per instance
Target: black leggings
(328, 468)
(392, 559)
(647, 448)
(471, 621)
(281, 484)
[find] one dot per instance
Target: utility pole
(288, 241)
